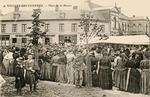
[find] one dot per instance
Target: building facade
(62, 25)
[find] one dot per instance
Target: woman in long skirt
(145, 74)
(94, 66)
(122, 72)
(31, 69)
(105, 73)
(45, 68)
(133, 81)
(54, 63)
(10, 69)
(70, 77)
(6, 62)
(61, 70)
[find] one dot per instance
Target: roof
(104, 7)
(69, 14)
(122, 16)
(138, 18)
(88, 5)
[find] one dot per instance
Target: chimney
(56, 8)
(119, 8)
(75, 7)
(89, 1)
(16, 9)
(133, 15)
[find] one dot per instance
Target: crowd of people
(125, 67)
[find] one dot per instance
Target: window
(24, 27)
(24, 40)
(122, 27)
(146, 28)
(14, 27)
(140, 27)
(47, 27)
(61, 27)
(119, 28)
(47, 41)
(62, 15)
(3, 28)
(128, 27)
(5, 40)
(74, 27)
(14, 40)
(16, 16)
(103, 28)
(125, 27)
(114, 22)
(134, 27)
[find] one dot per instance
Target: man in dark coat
(22, 51)
(19, 75)
(15, 56)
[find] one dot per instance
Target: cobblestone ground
(51, 89)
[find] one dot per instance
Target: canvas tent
(133, 40)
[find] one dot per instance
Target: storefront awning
(133, 40)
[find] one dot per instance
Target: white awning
(135, 40)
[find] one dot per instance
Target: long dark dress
(94, 66)
(133, 79)
(45, 68)
(105, 74)
(54, 63)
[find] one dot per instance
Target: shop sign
(50, 35)
(20, 35)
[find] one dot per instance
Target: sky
(128, 7)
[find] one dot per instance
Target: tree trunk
(36, 55)
(88, 64)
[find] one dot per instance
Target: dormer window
(16, 15)
(62, 15)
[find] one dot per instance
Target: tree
(36, 32)
(91, 29)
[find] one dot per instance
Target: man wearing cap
(19, 75)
